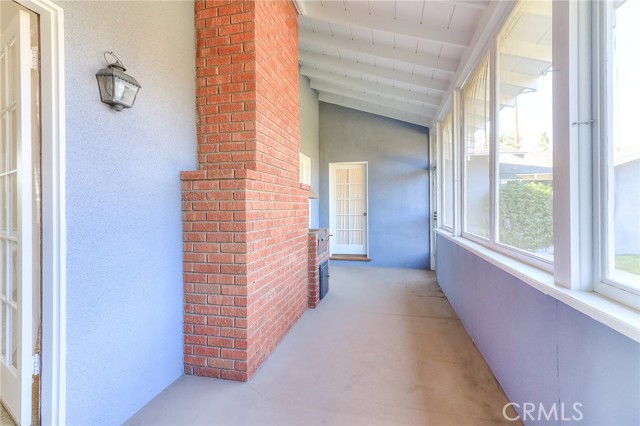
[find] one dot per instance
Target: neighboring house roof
(626, 154)
(522, 165)
(520, 171)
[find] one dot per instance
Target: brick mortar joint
(184, 177)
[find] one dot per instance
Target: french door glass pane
(15, 272)
(3, 135)
(525, 129)
(13, 206)
(3, 64)
(3, 265)
(13, 69)
(5, 202)
(477, 124)
(624, 152)
(4, 329)
(13, 136)
(14, 336)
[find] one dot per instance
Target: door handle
(364, 214)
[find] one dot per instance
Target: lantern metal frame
(117, 88)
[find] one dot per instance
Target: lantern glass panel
(106, 87)
(125, 92)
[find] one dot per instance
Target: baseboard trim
(351, 257)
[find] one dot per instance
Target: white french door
(16, 219)
(348, 206)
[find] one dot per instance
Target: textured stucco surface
(124, 254)
(397, 155)
(541, 350)
(310, 142)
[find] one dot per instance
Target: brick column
(245, 213)
(315, 260)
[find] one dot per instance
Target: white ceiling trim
(396, 92)
(380, 51)
(425, 32)
(299, 4)
(473, 4)
(372, 98)
(374, 109)
(345, 65)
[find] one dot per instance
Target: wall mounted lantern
(117, 88)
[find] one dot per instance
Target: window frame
(305, 169)
(601, 23)
(492, 241)
(487, 54)
(580, 121)
(515, 252)
(446, 208)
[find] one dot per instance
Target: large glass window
(525, 131)
(506, 149)
(477, 122)
(446, 140)
(622, 158)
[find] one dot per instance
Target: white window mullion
(439, 150)
(493, 145)
(571, 154)
(457, 164)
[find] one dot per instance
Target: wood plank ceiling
(391, 58)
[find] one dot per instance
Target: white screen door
(348, 206)
(16, 218)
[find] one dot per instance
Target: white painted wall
(310, 142)
(124, 282)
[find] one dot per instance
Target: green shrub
(526, 215)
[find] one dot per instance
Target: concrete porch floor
(383, 348)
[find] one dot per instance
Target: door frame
(332, 194)
(54, 244)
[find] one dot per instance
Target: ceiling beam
(373, 109)
(472, 4)
(424, 32)
(516, 79)
(357, 84)
(526, 50)
(372, 98)
(345, 65)
(380, 51)
(541, 9)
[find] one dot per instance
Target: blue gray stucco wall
(124, 230)
(310, 142)
(398, 157)
(541, 350)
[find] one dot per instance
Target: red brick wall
(280, 285)
(226, 84)
(315, 260)
(245, 213)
